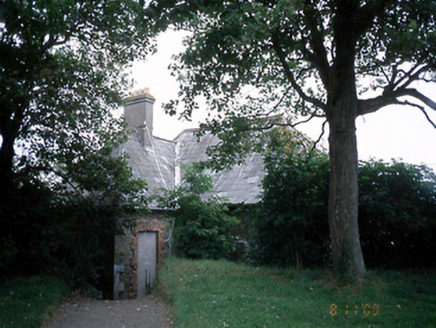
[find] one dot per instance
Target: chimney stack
(138, 110)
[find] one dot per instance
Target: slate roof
(239, 185)
(159, 166)
(155, 164)
(158, 161)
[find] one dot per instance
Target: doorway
(147, 260)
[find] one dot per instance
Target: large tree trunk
(10, 123)
(341, 115)
(343, 199)
(6, 182)
(6, 166)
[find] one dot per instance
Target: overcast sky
(393, 132)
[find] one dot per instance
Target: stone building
(157, 161)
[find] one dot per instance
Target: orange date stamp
(356, 310)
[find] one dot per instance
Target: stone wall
(126, 250)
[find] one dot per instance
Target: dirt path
(88, 313)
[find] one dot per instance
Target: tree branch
(320, 136)
(411, 76)
(367, 106)
(418, 95)
(319, 55)
(421, 108)
(307, 120)
(290, 75)
(372, 105)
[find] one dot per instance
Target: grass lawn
(226, 294)
(25, 302)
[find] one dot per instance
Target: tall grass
(225, 294)
(26, 302)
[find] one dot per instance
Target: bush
(291, 227)
(202, 225)
(202, 228)
(397, 214)
(72, 240)
(66, 227)
(397, 210)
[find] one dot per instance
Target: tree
(314, 58)
(62, 193)
(60, 64)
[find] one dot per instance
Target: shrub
(291, 227)
(397, 210)
(202, 228)
(66, 227)
(202, 225)
(72, 239)
(397, 214)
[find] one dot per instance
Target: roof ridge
(185, 130)
(163, 139)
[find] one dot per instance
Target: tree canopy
(336, 59)
(61, 65)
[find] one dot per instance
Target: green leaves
(61, 64)
(255, 60)
(397, 210)
(397, 213)
(294, 204)
(202, 225)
